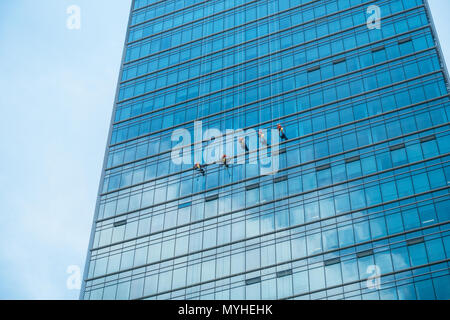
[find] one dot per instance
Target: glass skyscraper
(358, 206)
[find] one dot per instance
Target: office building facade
(353, 100)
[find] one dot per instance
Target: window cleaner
(243, 144)
(282, 133)
(199, 168)
(225, 160)
(262, 140)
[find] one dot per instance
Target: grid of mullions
(176, 12)
(435, 90)
(142, 223)
(293, 241)
(352, 178)
(181, 217)
(305, 180)
(244, 15)
(138, 5)
(329, 68)
(257, 221)
(286, 44)
(268, 23)
(200, 12)
(393, 255)
(360, 38)
(179, 58)
(412, 151)
(321, 144)
(303, 154)
(160, 61)
(330, 115)
(338, 87)
(424, 216)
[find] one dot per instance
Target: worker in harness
(225, 160)
(282, 133)
(199, 168)
(262, 139)
(243, 144)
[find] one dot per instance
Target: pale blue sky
(57, 92)
(56, 97)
